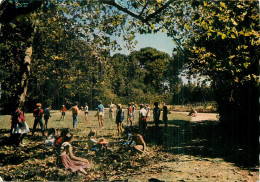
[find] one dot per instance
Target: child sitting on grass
(96, 145)
(140, 143)
(69, 160)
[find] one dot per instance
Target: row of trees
(74, 73)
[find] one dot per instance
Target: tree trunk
(25, 72)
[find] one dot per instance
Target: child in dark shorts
(119, 118)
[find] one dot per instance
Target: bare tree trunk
(26, 73)
(23, 86)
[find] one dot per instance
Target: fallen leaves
(36, 162)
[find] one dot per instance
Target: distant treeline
(143, 76)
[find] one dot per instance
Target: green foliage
(137, 77)
(226, 43)
(193, 93)
(222, 40)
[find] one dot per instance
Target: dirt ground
(188, 149)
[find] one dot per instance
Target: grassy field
(189, 151)
(54, 121)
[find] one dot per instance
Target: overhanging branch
(149, 17)
(113, 3)
(144, 8)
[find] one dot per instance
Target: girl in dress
(21, 128)
(69, 160)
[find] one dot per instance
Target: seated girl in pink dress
(69, 160)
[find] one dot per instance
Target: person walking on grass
(100, 114)
(165, 113)
(47, 115)
(37, 113)
(130, 114)
(142, 118)
(133, 108)
(63, 111)
(119, 118)
(148, 112)
(156, 114)
(86, 112)
(111, 111)
(75, 112)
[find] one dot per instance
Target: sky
(159, 41)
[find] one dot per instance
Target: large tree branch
(149, 17)
(121, 8)
(145, 20)
(144, 8)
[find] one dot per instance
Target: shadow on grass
(204, 139)
(2, 131)
(13, 154)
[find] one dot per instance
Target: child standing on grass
(142, 118)
(165, 113)
(63, 112)
(47, 115)
(148, 112)
(100, 114)
(133, 108)
(119, 118)
(86, 112)
(156, 114)
(21, 128)
(75, 112)
(37, 113)
(111, 111)
(130, 114)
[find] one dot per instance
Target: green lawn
(36, 162)
(54, 121)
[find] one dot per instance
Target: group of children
(144, 115)
(19, 127)
(62, 144)
(63, 148)
(64, 151)
(75, 111)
